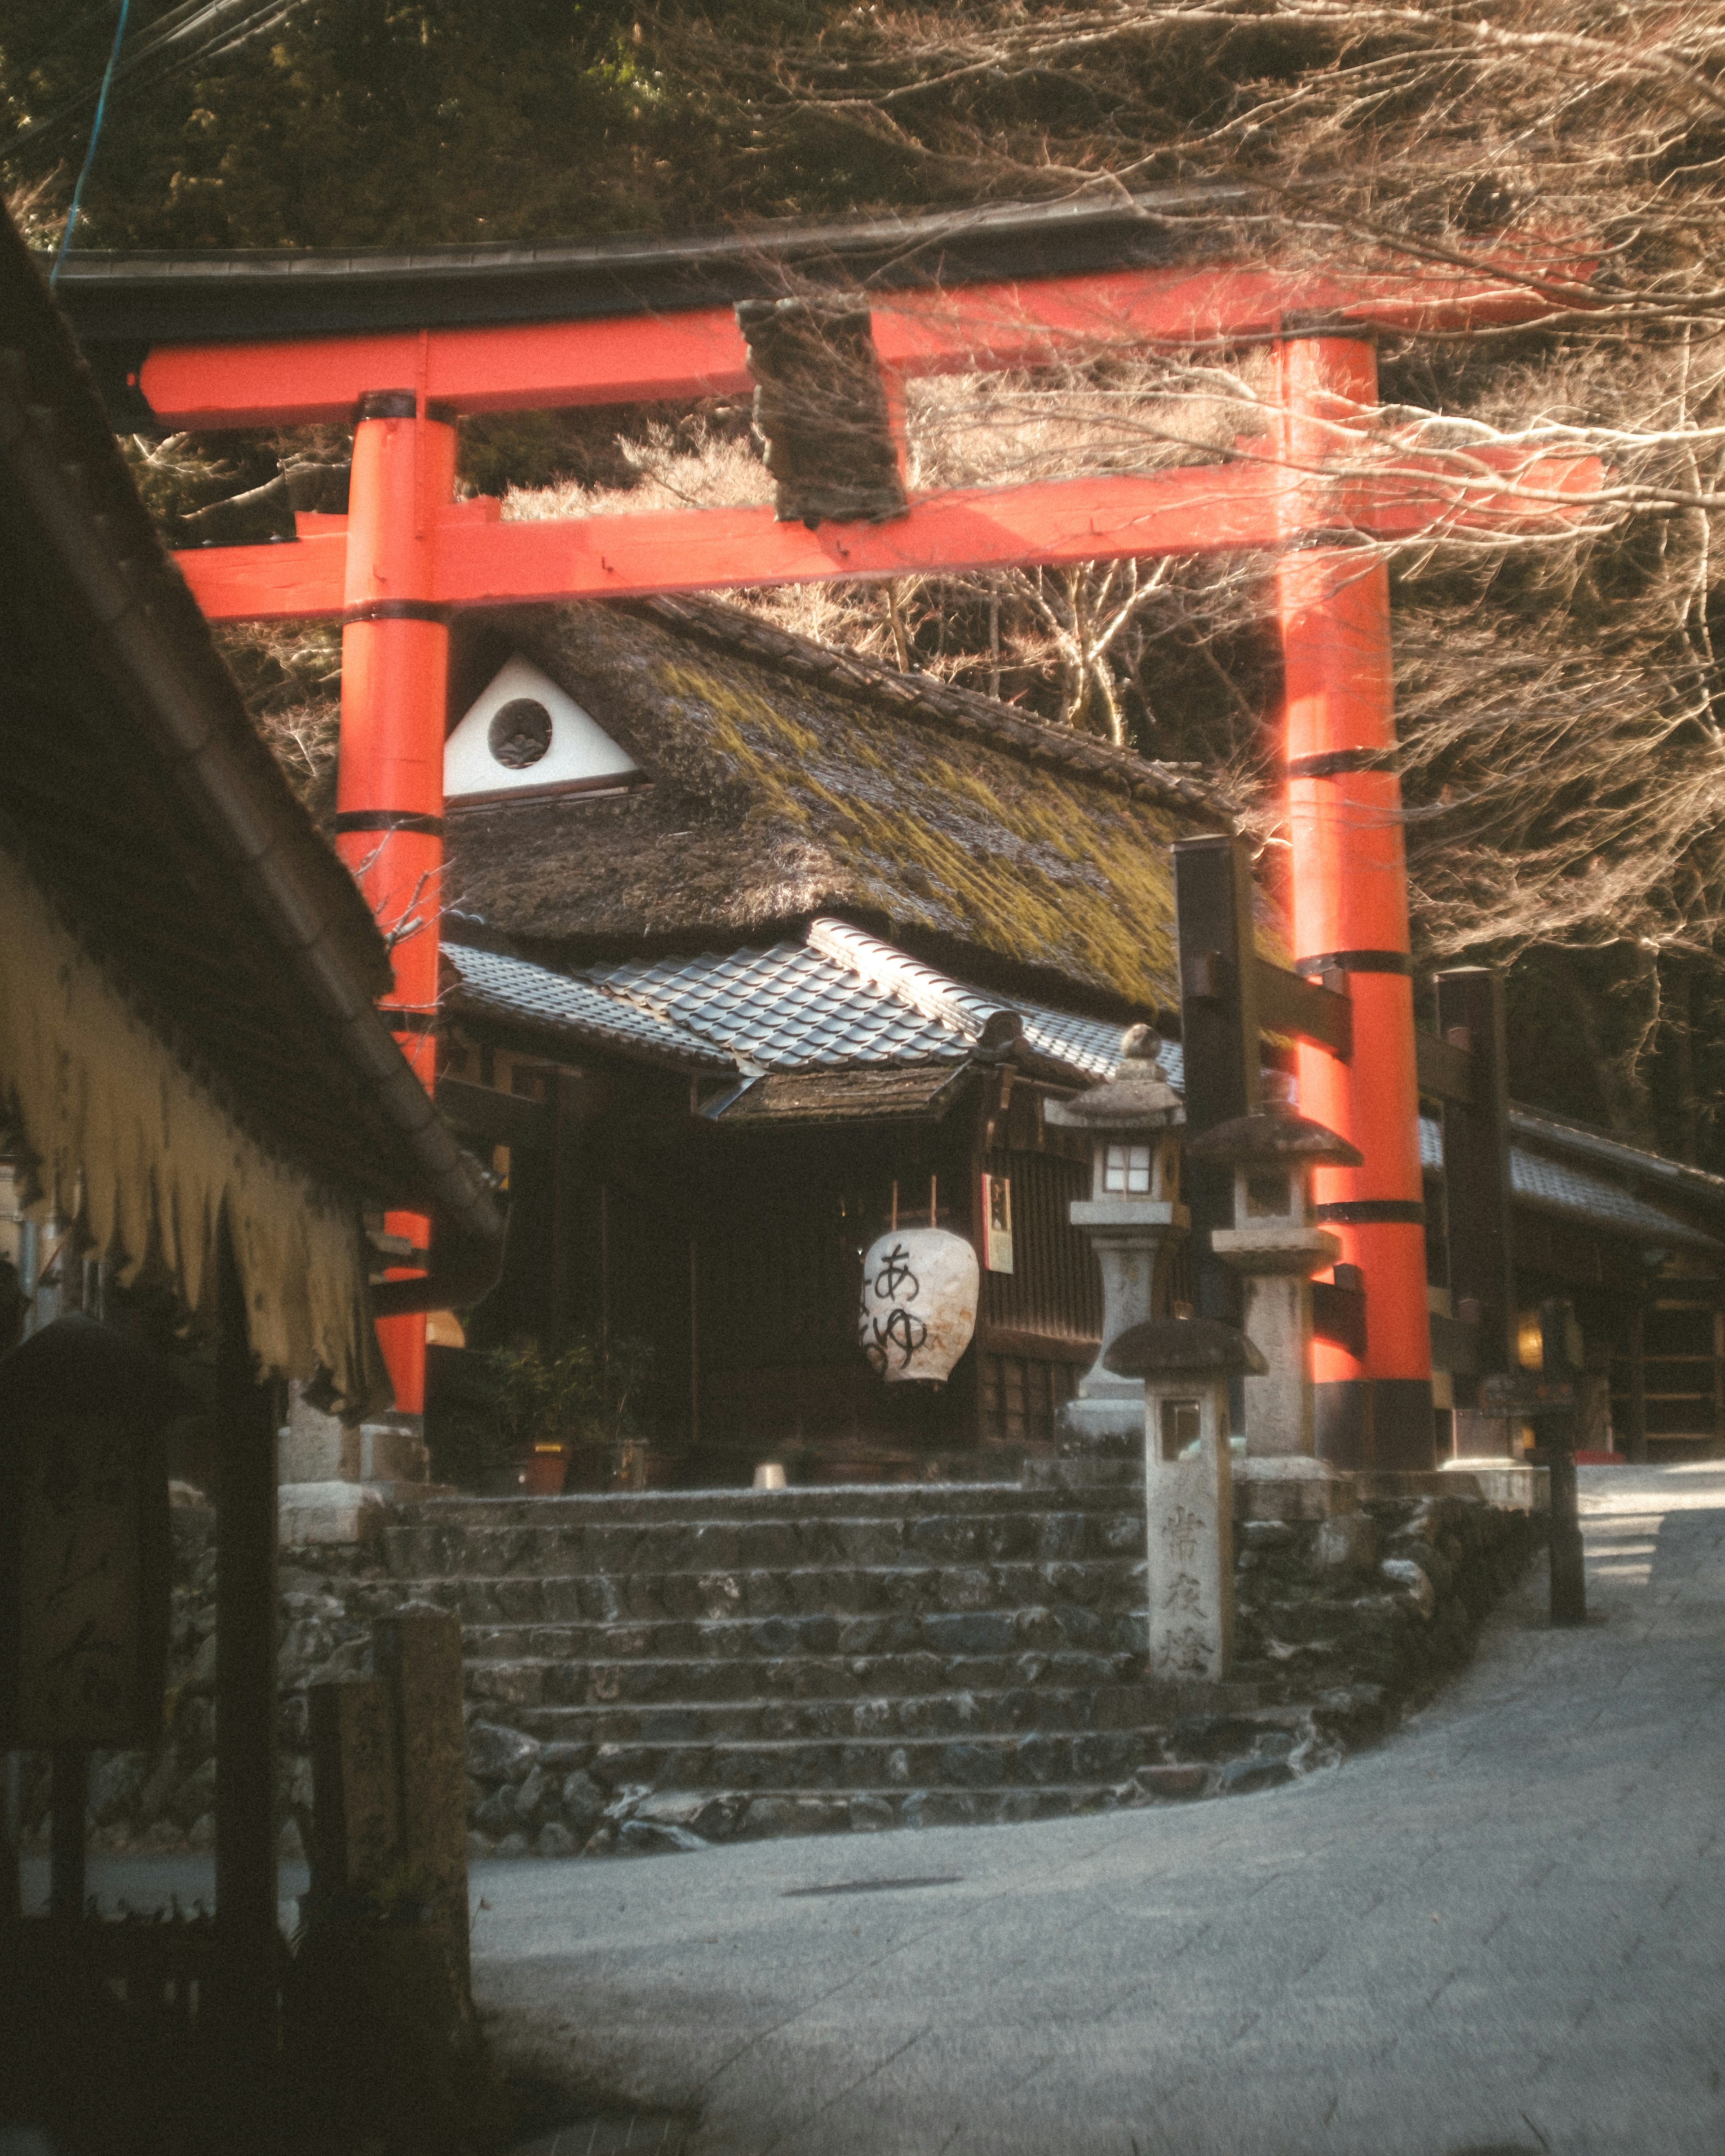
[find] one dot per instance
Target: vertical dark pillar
(1557, 1435)
(1218, 1037)
(1637, 1331)
(565, 1223)
(1477, 1184)
(69, 1800)
(245, 1695)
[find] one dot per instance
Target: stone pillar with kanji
(1185, 1364)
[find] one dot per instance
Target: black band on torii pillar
(1381, 1424)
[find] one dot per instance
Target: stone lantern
(1184, 1365)
(1277, 1246)
(1133, 1122)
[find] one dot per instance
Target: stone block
(356, 1812)
(783, 1815)
(941, 1807)
(979, 1632)
(1377, 1485)
(871, 1815)
(1292, 1487)
(1503, 1483)
(639, 1837)
(393, 1450)
(330, 1512)
(976, 1765)
(1346, 1542)
(1241, 1778)
(419, 1659)
(1171, 1781)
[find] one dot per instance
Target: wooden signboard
(84, 1539)
(997, 1224)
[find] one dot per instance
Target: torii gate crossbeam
(406, 555)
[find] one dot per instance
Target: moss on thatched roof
(788, 779)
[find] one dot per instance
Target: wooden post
(1638, 1383)
(356, 1790)
(1219, 1038)
(566, 1119)
(250, 1945)
(69, 1800)
(418, 1658)
(1476, 1178)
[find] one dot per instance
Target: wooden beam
(1034, 1347)
(1241, 507)
(1454, 1345)
(1338, 1314)
(699, 351)
(1287, 1002)
(1218, 1037)
(1445, 1069)
(500, 1117)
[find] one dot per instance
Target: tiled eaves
(1571, 1192)
(964, 710)
(1557, 1134)
(517, 993)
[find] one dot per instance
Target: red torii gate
(407, 554)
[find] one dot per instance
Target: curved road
(1504, 1930)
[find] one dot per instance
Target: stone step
(424, 1543)
(667, 1819)
(993, 1760)
(975, 1759)
(526, 1682)
(1045, 1628)
(1011, 1710)
(880, 1500)
(836, 1591)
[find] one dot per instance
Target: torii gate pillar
(389, 803)
(1347, 885)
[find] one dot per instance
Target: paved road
(1502, 1931)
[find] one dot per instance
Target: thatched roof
(789, 779)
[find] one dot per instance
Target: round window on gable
(520, 733)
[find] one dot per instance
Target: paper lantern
(919, 1299)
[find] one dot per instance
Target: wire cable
(96, 136)
(167, 36)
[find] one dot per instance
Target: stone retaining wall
(1342, 1623)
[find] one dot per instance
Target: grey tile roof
(511, 988)
(1574, 1193)
(1089, 1044)
(854, 1002)
(796, 1007)
(788, 1008)
(1557, 1186)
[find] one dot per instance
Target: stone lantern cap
(1137, 1097)
(1197, 1344)
(1275, 1134)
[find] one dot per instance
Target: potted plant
(585, 1396)
(546, 1404)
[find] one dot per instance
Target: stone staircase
(750, 1662)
